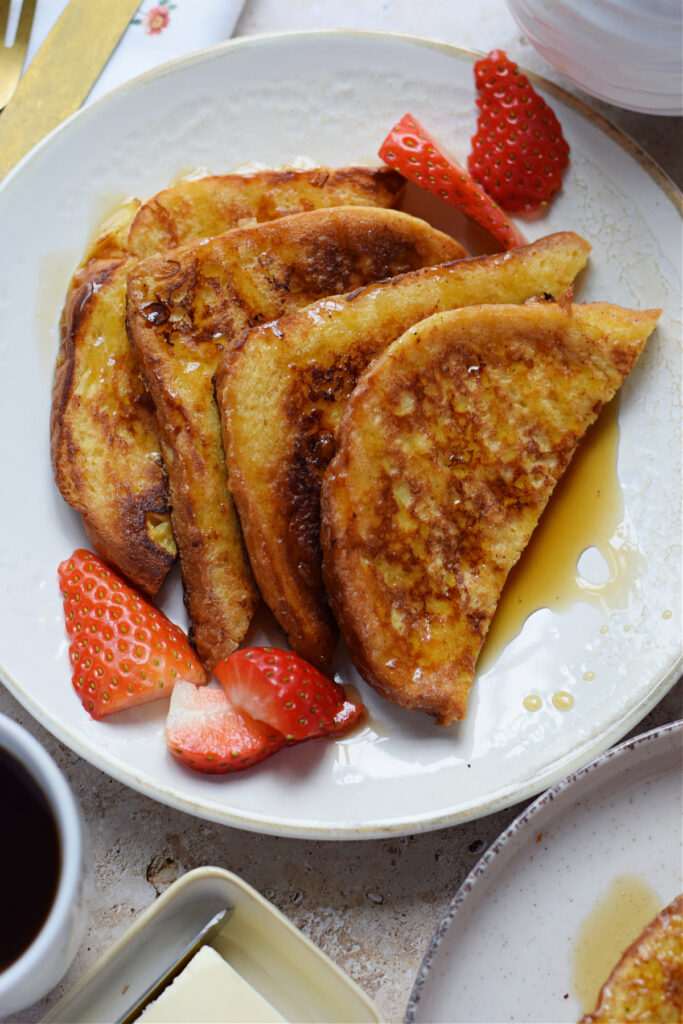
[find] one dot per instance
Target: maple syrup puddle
(616, 921)
(586, 511)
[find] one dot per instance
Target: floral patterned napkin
(160, 31)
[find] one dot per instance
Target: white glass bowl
(626, 52)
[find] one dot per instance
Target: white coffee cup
(52, 949)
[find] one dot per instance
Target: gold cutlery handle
(61, 74)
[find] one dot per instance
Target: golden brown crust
(188, 210)
(111, 239)
(104, 440)
(184, 310)
(103, 435)
(282, 391)
(447, 453)
(646, 986)
(206, 206)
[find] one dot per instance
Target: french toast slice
(209, 205)
(103, 433)
(281, 394)
(646, 985)
(447, 453)
(104, 443)
(184, 310)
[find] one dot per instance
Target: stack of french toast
(309, 397)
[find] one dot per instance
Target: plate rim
(79, 742)
(538, 783)
(565, 788)
(581, 106)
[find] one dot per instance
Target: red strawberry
(205, 732)
(519, 152)
(409, 149)
(124, 651)
(280, 688)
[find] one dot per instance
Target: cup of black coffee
(41, 870)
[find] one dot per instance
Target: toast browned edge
(377, 650)
(292, 263)
(130, 525)
(282, 530)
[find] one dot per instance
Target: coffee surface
(29, 859)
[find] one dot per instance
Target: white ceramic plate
(332, 97)
(511, 947)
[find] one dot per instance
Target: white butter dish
(266, 950)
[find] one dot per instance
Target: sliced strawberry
(412, 151)
(124, 651)
(280, 688)
(205, 732)
(518, 152)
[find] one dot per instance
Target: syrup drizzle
(585, 511)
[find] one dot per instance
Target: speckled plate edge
(506, 795)
(566, 788)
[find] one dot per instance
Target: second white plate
(604, 841)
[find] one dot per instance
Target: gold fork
(12, 57)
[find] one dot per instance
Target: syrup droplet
(563, 701)
(533, 702)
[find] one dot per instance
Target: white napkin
(160, 31)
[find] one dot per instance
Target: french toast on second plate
(447, 453)
(185, 309)
(281, 393)
(105, 448)
(646, 986)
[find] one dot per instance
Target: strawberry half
(208, 734)
(124, 651)
(518, 153)
(280, 688)
(412, 151)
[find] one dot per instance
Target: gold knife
(61, 74)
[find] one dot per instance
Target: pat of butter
(209, 991)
